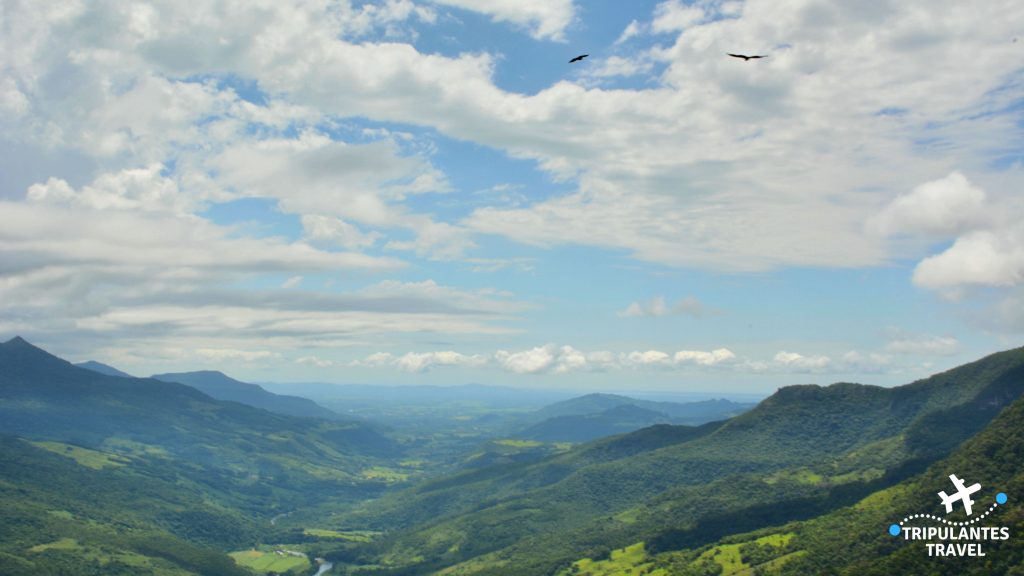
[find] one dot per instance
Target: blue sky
(427, 192)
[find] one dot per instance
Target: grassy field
(349, 536)
(631, 560)
(83, 456)
(155, 566)
(263, 562)
(728, 555)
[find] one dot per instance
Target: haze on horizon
(425, 192)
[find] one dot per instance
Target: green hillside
(263, 461)
(66, 511)
(803, 452)
(855, 540)
(99, 469)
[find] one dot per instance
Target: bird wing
(738, 56)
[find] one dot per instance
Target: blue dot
(894, 529)
(1001, 498)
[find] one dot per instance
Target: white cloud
(942, 208)
(719, 164)
(647, 358)
(674, 16)
(374, 360)
(632, 30)
(421, 362)
(292, 282)
(386, 15)
(144, 189)
(982, 258)
(337, 231)
(704, 358)
(546, 19)
(798, 362)
(533, 361)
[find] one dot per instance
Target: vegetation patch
(518, 443)
(348, 536)
(277, 561)
(83, 456)
(62, 544)
(630, 560)
(386, 474)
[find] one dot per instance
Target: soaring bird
(578, 58)
(745, 57)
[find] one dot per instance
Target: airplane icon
(962, 493)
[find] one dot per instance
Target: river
(324, 568)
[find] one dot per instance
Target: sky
(428, 192)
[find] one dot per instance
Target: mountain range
(105, 474)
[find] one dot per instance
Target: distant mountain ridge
(45, 397)
(593, 416)
(222, 387)
(103, 369)
(697, 412)
(585, 427)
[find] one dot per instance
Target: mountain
(593, 416)
(855, 540)
(693, 413)
(69, 511)
(582, 428)
(803, 452)
(220, 386)
(116, 475)
(103, 369)
(236, 449)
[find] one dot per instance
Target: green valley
(106, 474)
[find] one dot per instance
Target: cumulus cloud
(686, 172)
(553, 359)
(713, 164)
(532, 361)
(675, 16)
(798, 362)
(421, 362)
(987, 250)
(941, 208)
(145, 189)
(983, 258)
(324, 229)
(545, 19)
(704, 358)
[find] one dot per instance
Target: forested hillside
(803, 452)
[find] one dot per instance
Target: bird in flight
(578, 58)
(745, 57)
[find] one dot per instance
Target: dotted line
(944, 521)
